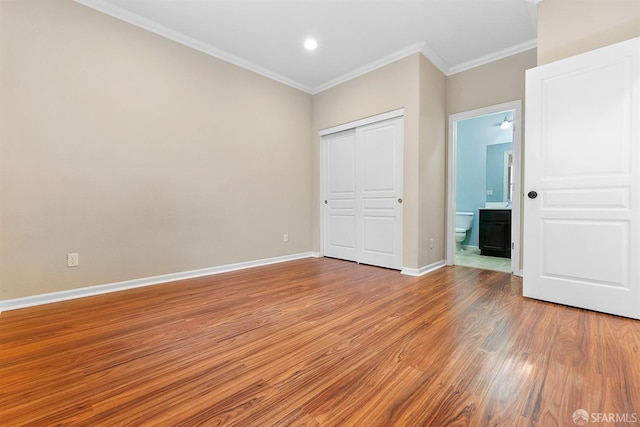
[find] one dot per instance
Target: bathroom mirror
(499, 173)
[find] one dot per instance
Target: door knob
(399, 200)
(325, 202)
(532, 194)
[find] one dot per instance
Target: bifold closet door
(363, 194)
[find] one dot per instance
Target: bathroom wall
(474, 135)
(495, 171)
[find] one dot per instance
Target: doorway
(496, 195)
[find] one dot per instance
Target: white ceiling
(355, 36)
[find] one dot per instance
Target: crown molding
(149, 25)
(402, 53)
(166, 32)
(161, 30)
(435, 59)
(501, 54)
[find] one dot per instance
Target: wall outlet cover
(73, 260)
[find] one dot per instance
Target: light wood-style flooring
(317, 342)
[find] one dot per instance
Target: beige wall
(143, 155)
(570, 27)
(432, 166)
(490, 84)
(388, 88)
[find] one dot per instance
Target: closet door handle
(399, 200)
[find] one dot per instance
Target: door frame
(323, 166)
(516, 203)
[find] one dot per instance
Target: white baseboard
(30, 301)
(422, 270)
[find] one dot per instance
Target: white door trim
(517, 174)
(362, 122)
(323, 167)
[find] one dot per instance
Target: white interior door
(379, 181)
(582, 231)
(340, 197)
(362, 210)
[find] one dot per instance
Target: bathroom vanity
(495, 232)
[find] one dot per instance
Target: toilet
(464, 221)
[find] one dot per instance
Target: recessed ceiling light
(310, 44)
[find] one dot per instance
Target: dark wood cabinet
(495, 232)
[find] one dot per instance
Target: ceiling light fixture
(310, 44)
(506, 124)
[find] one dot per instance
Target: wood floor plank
(317, 342)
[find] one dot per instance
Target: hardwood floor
(318, 342)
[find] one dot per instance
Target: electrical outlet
(431, 243)
(489, 192)
(73, 260)
(285, 238)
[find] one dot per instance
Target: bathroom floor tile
(472, 258)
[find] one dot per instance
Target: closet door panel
(379, 181)
(340, 202)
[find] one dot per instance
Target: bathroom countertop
(497, 205)
(504, 208)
